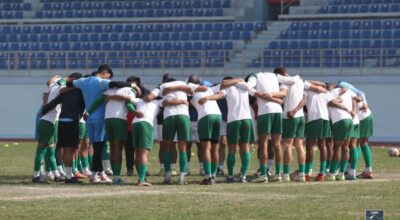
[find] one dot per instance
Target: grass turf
(19, 199)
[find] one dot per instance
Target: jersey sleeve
(78, 83)
(193, 86)
(156, 92)
(223, 92)
(135, 100)
(288, 80)
(307, 85)
(103, 84)
(252, 82)
(216, 89)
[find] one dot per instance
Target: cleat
(275, 178)
(117, 181)
(206, 181)
(220, 172)
(50, 176)
(308, 178)
(299, 177)
(257, 173)
(182, 180)
(105, 179)
(129, 173)
(330, 177)
(95, 179)
(242, 179)
(59, 179)
(78, 175)
(350, 177)
(365, 175)
(87, 173)
(167, 181)
(108, 172)
(293, 175)
(230, 179)
(212, 180)
(174, 173)
(73, 180)
(144, 183)
(340, 177)
(39, 180)
(320, 177)
(260, 179)
(269, 173)
(286, 178)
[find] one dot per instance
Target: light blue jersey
(92, 87)
(343, 84)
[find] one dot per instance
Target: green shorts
(367, 127)
(179, 124)
(293, 128)
(355, 131)
(318, 129)
(46, 132)
(116, 129)
(240, 132)
(269, 123)
(142, 135)
(83, 133)
(342, 129)
(55, 131)
(209, 127)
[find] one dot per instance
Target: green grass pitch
(20, 199)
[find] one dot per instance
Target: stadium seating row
(345, 25)
(344, 34)
(363, 8)
(15, 6)
(282, 44)
(11, 14)
(349, 2)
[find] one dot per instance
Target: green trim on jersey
(270, 123)
(367, 126)
(342, 129)
(318, 129)
(240, 131)
(142, 135)
(293, 128)
(209, 128)
(116, 129)
(179, 124)
(46, 132)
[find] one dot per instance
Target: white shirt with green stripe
(149, 110)
(208, 108)
(117, 108)
(266, 82)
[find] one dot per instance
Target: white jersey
(265, 82)
(337, 114)
(175, 109)
(82, 121)
(52, 115)
(317, 104)
(294, 96)
(208, 108)
(117, 108)
(238, 103)
(149, 110)
(361, 114)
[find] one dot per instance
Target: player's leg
(129, 154)
(232, 135)
(263, 130)
(168, 133)
(298, 144)
(271, 155)
(119, 138)
(276, 137)
(366, 130)
(310, 145)
(223, 143)
(143, 143)
(69, 141)
(183, 135)
(246, 137)
(97, 136)
(43, 140)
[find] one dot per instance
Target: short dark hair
(134, 79)
(105, 68)
(167, 78)
(227, 77)
(193, 79)
(89, 75)
(280, 70)
(75, 75)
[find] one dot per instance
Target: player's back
(238, 104)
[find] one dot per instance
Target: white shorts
(193, 130)
(223, 128)
(159, 134)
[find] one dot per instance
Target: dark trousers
(129, 152)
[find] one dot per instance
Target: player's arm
(130, 106)
(282, 93)
(230, 82)
(49, 106)
(171, 102)
(354, 107)
(336, 103)
(217, 96)
(299, 106)
(317, 83)
(45, 97)
(316, 88)
(265, 96)
(287, 80)
(182, 88)
(152, 95)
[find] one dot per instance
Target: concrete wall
(20, 102)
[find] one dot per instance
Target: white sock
(173, 166)
(42, 169)
(221, 166)
(94, 174)
(352, 172)
(106, 164)
(368, 169)
(201, 167)
(168, 175)
(68, 171)
(162, 166)
(56, 173)
(36, 174)
(60, 169)
(269, 164)
(86, 170)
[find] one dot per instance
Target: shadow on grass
(16, 180)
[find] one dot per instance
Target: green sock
(246, 157)
(167, 161)
(278, 168)
(328, 163)
(359, 151)
(367, 154)
(79, 164)
(333, 166)
(353, 158)
(116, 168)
(106, 151)
(51, 156)
(85, 162)
(312, 164)
(302, 168)
(230, 160)
(74, 166)
(343, 166)
(47, 161)
(90, 160)
(63, 166)
(142, 170)
(286, 168)
(40, 152)
(183, 162)
(207, 168)
(322, 167)
(263, 169)
(307, 168)
(214, 168)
